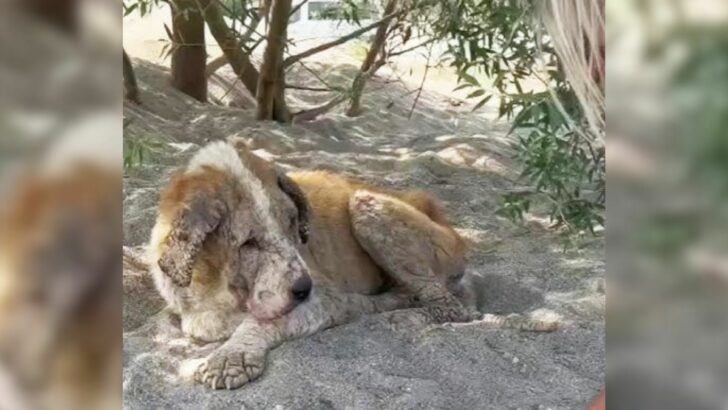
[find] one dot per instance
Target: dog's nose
(301, 288)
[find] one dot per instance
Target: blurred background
(667, 110)
(60, 204)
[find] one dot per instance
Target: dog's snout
(302, 288)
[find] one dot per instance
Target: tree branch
(215, 64)
(250, 28)
(297, 7)
(422, 84)
(304, 88)
(231, 47)
(311, 114)
(316, 75)
(341, 40)
(220, 61)
(407, 50)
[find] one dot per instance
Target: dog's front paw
(230, 368)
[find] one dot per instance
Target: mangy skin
(234, 235)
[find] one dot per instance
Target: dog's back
(333, 249)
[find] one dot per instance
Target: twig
(255, 45)
(214, 65)
(298, 7)
(312, 113)
(341, 40)
(407, 50)
(230, 86)
(250, 27)
(422, 84)
(317, 76)
(304, 88)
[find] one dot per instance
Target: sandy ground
(462, 157)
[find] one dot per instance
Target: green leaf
(130, 9)
(462, 86)
(468, 78)
(476, 93)
(482, 102)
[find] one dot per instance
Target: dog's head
(234, 218)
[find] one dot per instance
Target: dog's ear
(196, 217)
(293, 191)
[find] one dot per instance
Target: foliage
(239, 11)
(561, 161)
(144, 7)
(351, 11)
(138, 149)
(699, 101)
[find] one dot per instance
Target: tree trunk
(370, 63)
(231, 47)
(280, 108)
(229, 44)
(271, 82)
(130, 85)
(188, 57)
(220, 61)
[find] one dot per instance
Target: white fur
(225, 157)
(220, 155)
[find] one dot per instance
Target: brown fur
(367, 249)
(60, 288)
(334, 248)
(253, 236)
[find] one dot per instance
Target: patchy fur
(235, 240)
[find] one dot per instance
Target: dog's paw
(230, 368)
(365, 202)
(393, 300)
(407, 319)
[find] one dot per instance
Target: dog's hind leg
(426, 258)
(420, 254)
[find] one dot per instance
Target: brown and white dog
(246, 253)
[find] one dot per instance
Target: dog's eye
(250, 243)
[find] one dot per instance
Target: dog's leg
(422, 256)
(209, 325)
(242, 358)
(414, 250)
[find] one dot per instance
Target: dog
(248, 254)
